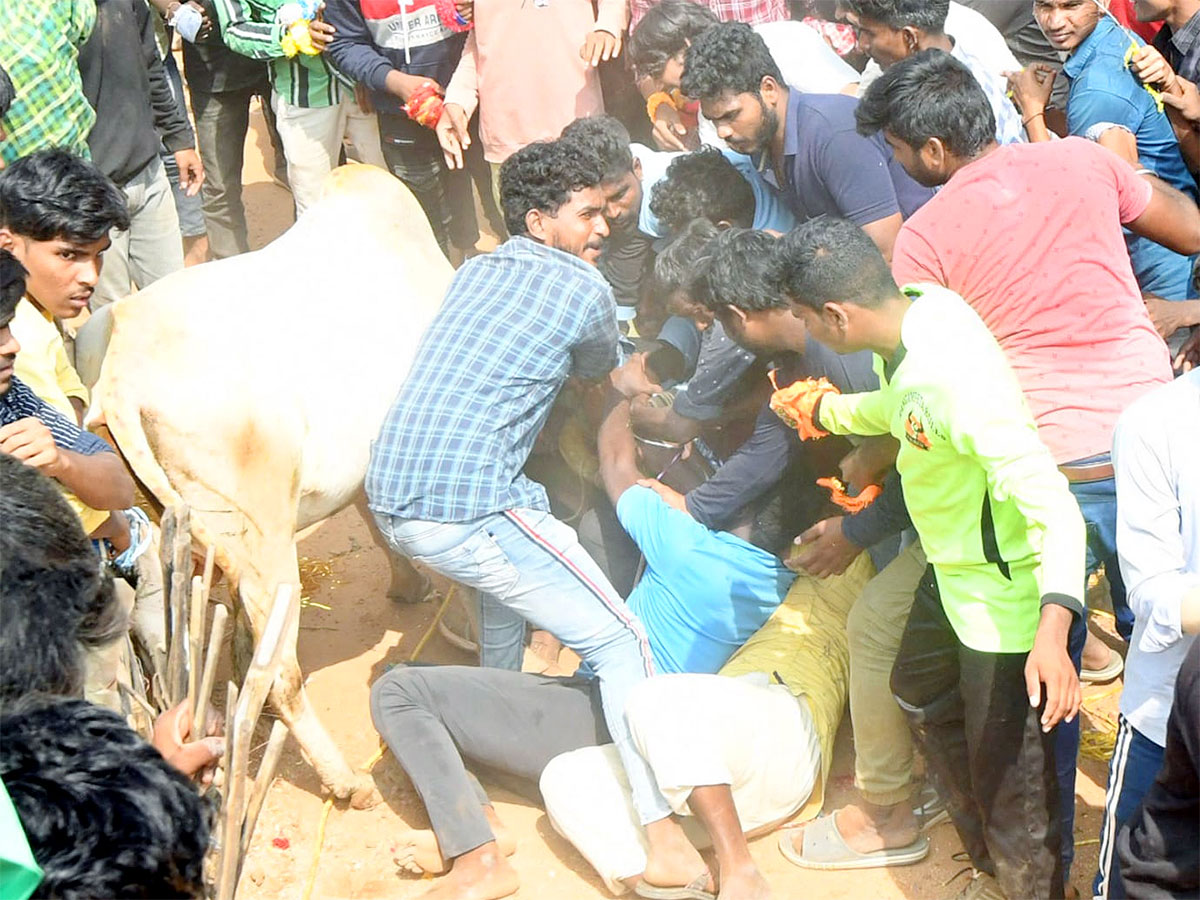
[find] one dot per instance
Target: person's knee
(399, 689)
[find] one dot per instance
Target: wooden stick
(209, 561)
(229, 847)
(195, 644)
(177, 606)
(263, 670)
(216, 640)
(262, 782)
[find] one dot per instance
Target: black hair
(53, 194)
(828, 259)
(703, 184)
(734, 271)
(929, 95)
(7, 93)
(12, 285)
(54, 598)
(675, 267)
(731, 57)
(607, 138)
(664, 31)
(928, 15)
(105, 815)
(543, 176)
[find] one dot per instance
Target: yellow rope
(375, 757)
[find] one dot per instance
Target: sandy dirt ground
(344, 648)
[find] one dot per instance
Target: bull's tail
(124, 422)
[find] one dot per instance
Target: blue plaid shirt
(514, 324)
(19, 402)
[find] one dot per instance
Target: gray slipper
(825, 848)
(693, 890)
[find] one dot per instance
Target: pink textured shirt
(521, 67)
(1030, 235)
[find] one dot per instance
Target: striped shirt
(1009, 129)
(39, 47)
(514, 325)
(249, 27)
(19, 402)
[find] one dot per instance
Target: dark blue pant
(1135, 763)
(1098, 503)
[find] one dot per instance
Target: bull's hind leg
(408, 585)
(291, 700)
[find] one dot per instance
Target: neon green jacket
(995, 516)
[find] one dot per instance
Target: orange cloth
(857, 503)
(796, 402)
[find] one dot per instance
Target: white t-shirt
(975, 34)
(807, 63)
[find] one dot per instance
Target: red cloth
(1030, 236)
(1123, 10)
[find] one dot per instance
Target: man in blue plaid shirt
(445, 479)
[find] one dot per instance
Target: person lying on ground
(658, 45)
(103, 814)
(805, 144)
(702, 595)
(983, 670)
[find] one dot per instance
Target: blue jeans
(528, 566)
(1135, 763)
(1098, 503)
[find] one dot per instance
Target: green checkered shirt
(248, 27)
(39, 48)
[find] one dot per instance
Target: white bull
(251, 388)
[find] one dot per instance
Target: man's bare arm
(1170, 219)
(99, 479)
(615, 446)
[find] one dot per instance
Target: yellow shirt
(804, 643)
(43, 365)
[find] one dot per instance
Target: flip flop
(693, 890)
(825, 848)
(1114, 667)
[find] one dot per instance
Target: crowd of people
(880, 322)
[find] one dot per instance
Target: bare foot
(480, 874)
(672, 860)
(417, 849)
(746, 884)
(867, 828)
(1095, 653)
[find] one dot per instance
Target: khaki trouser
(882, 742)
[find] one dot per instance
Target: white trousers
(693, 730)
(312, 140)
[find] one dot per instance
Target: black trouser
(433, 716)
(984, 745)
(414, 155)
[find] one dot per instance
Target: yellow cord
(375, 757)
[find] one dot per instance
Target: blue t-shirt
(704, 592)
(832, 170)
(1104, 90)
(770, 212)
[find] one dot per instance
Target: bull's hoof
(365, 795)
(402, 590)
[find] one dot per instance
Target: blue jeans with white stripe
(529, 567)
(1135, 762)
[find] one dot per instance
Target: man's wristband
(655, 100)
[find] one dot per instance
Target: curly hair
(543, 176)
(105, 815)
(53, 194)
(702, 185)
(675, 266)
(54, 599)
(928, 15)
(607, 138)
(735, 271)
(929, 94)
(730, 56)
(664, 31)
